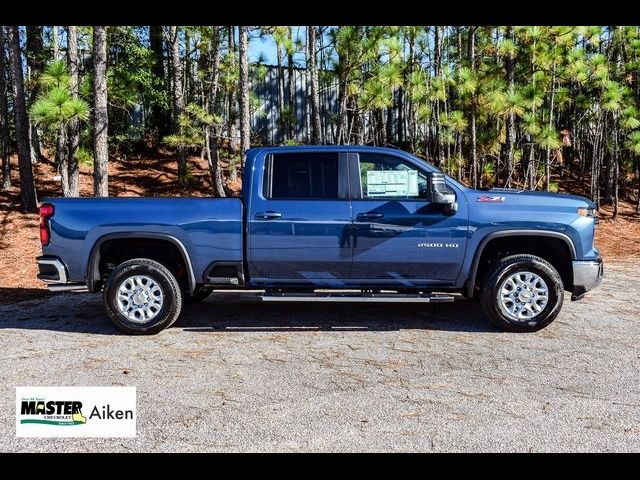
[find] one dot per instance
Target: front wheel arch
(555, 247)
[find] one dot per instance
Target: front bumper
(586, 276)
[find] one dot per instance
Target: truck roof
(328, 148)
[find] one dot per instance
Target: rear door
(400, 237)
(300, 220)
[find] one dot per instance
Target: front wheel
(142, 297)
(522, 293)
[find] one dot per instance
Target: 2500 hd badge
(438, 245)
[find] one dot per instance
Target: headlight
(589, 212)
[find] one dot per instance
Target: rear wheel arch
(561, 260)
(94, 279)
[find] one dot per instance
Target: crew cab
(327, 224)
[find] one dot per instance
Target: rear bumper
(586, 276)
(53, 272)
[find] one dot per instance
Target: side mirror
(438, 192)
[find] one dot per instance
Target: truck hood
(542, 199)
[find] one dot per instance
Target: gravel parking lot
(236, 374)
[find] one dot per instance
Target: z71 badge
(489, 198)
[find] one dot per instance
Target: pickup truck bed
(202, 228)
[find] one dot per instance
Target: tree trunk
(232, 114)
(214, 158)
(616, 167)
(389, 121)
(411, 116)
(61, 148)
(509, 66)
(100, 114)
(472, 115)
(159, 118)
(292, 91)
(343, 76)
(400, 120)
(61, 159)
(547, 164)
(35, 62)
(316, 129)
(357, 124)
(620, 63)
(4, 117)
(55, 42)
(437, 61)
(187, 73)
(178, 99)
(245, 127)
(342, 112)
(282, 121)
(74, 124)
(28, 197)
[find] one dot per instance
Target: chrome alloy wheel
(523, 295)
(140, 298)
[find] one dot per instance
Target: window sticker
(392, 183)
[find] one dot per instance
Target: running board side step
(67, 287)
(222, 281)
(355, 297)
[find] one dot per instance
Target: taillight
(46, 212)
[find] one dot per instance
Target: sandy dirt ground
(235, 374)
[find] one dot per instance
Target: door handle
(369, 216)
(268, 215)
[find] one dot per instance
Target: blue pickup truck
(327, 224)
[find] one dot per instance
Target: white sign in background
(56, 411)
(392, 183)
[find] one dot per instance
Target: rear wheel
(142, 297)
(522, 293)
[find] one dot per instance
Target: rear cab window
(307, 175)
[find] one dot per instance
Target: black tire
(171, 301)
(492, 282)
(199, 296)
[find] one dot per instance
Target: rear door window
(303, 175)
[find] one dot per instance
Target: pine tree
(178, 98)
(56, 108)
(316, 127)
(74, 122)
(4, 116)
(28, 197)
(100, 113)
(214, 157)
(244, 90)
(35, 63)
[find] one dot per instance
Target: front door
(400, 238)
(300, 221)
